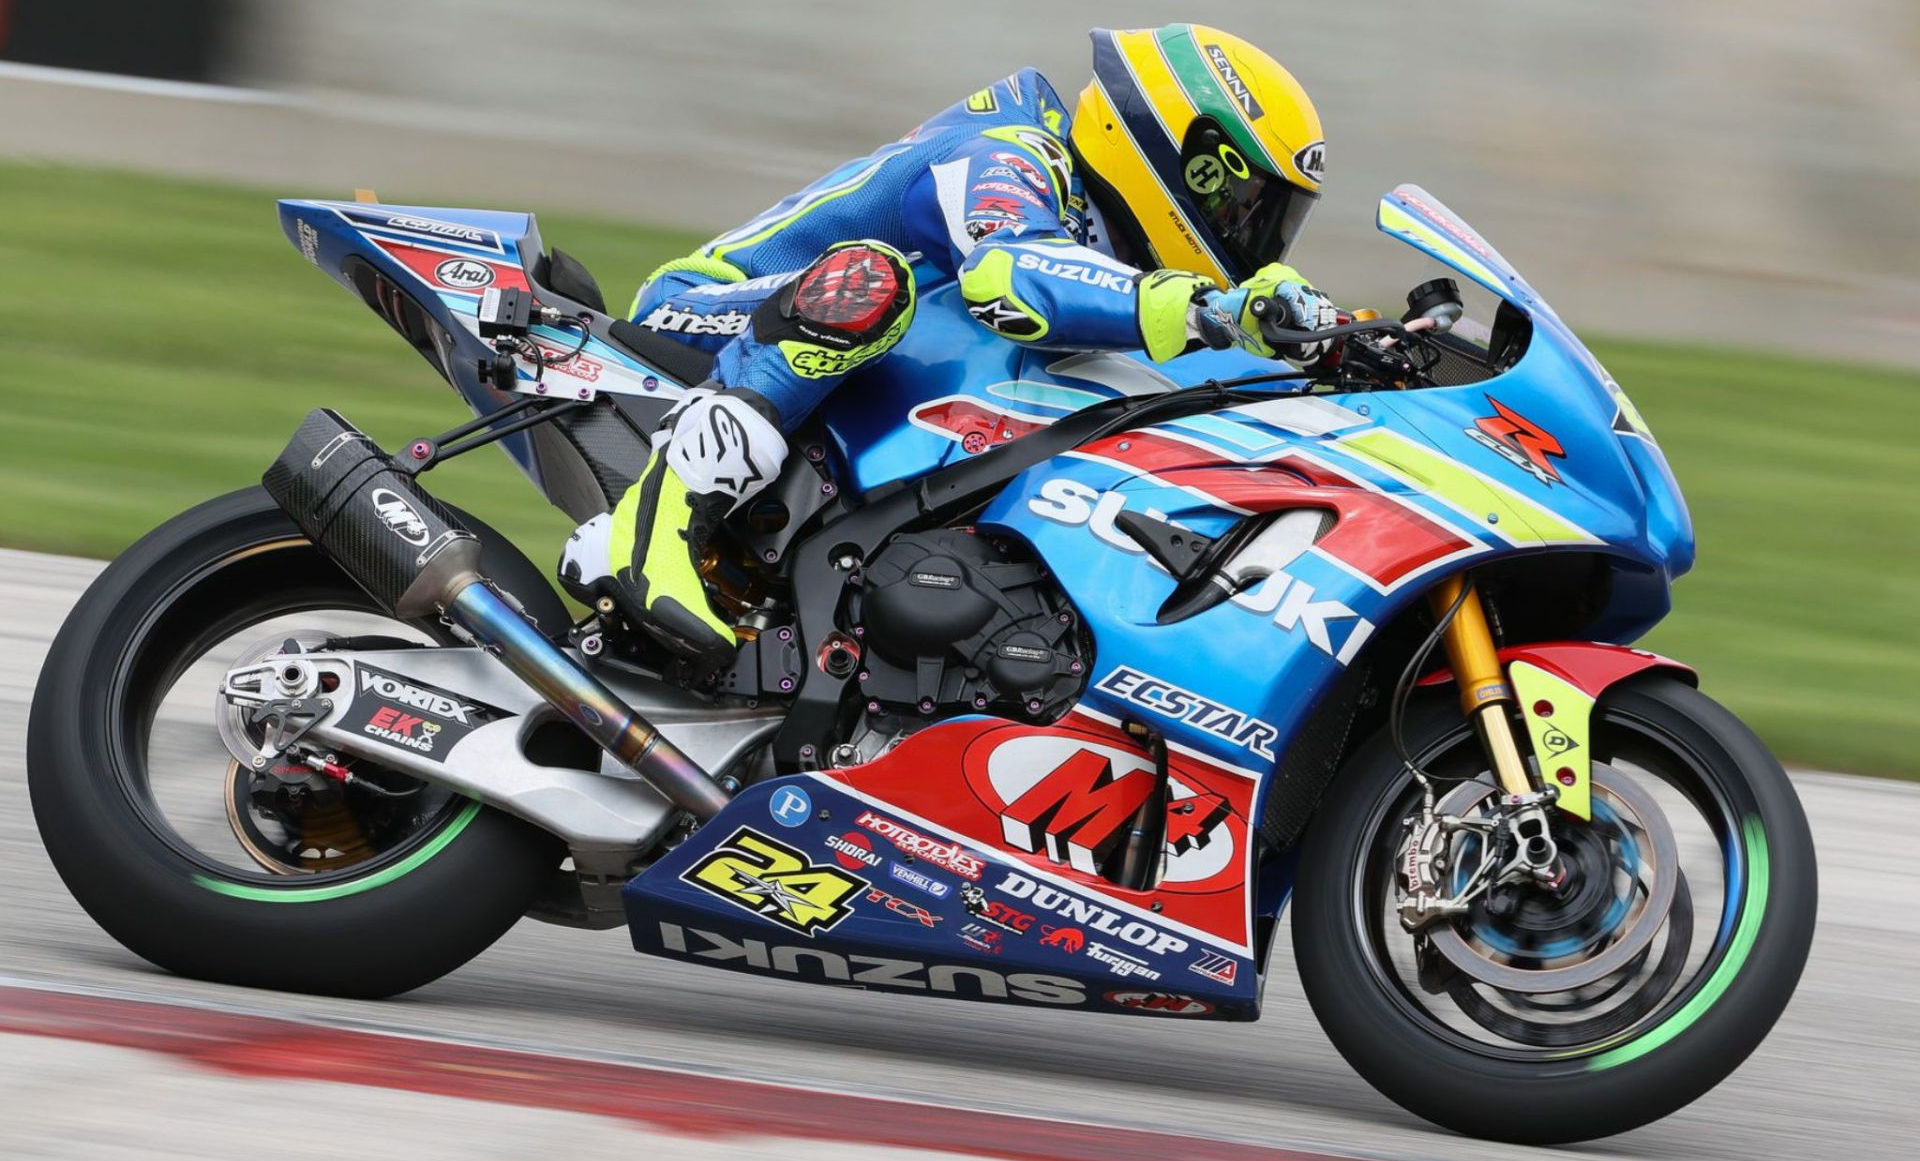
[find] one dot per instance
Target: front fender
(1557, 684)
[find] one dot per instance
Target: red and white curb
(691, 1104)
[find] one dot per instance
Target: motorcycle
(1061, 676)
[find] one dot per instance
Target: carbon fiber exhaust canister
(397, 542)
(413, 557)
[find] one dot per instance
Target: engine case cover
(954, 619)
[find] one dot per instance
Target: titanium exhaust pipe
(416, 560)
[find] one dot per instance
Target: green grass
(161, 339)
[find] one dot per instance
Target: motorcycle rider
(1147, 218)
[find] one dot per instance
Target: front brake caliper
(1559, 717)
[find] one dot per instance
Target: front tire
(370, 925)
(1690, 1038)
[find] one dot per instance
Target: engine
(957, 622)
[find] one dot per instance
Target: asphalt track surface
(1839, 1077)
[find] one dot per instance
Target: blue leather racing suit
(984, 192)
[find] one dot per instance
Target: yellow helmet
(1207, 149)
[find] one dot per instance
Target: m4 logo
(776, 882)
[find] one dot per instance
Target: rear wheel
(265, 877)
(1546, 1016)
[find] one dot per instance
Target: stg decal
(1520, 441)
(774, 881)
(1169, 700)
(1000, 914)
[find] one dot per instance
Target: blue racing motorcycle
(1061, 675)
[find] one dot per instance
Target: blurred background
(1719, 194)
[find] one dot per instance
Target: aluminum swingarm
(600, 813)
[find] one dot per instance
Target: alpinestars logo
(1236, 87)
(686, 322)
(732, 451)
(398, 515)
(1002, 317)
(1519, 441)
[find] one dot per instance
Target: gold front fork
(1484, 692)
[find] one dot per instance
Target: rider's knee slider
(851, 305)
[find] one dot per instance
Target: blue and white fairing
(1424, 492)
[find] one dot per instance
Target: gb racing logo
(399, 516)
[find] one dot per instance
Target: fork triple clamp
(418, 562)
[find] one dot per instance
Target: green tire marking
(1723, 976)
(381, 878)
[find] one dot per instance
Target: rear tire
(1699, 1035)
(399, 921)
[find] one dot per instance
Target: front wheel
(262, 877)
(1547, 1016)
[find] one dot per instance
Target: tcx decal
(1288, 601)
(901, 975)
(1182, 705)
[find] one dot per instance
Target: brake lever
(1264, 310)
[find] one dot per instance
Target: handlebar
(1265, 311)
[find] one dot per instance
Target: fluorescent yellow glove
(1305, 309)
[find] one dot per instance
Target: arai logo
(463, 274)
(399, 515)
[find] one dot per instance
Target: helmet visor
(1252, 214)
